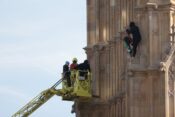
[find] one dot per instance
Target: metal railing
(38, 101)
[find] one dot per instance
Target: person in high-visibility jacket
(73, 70)
(74, 64)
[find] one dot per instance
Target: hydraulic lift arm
(38, 101)
(80, 89)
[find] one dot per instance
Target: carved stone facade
(143, 86)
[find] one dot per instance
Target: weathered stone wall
(123, 87)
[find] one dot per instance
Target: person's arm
(131, 36)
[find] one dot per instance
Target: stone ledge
(135, 68)
(119, 96)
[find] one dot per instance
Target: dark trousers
(67, 76)
(135, 45)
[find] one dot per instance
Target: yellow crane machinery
(80, 89)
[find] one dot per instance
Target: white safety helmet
(74, 59)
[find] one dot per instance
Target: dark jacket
(84, 66)
(135, 33)
(65, 68)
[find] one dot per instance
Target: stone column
(91, 24)
(95, 72)
(153, 38)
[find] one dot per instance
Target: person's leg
(135, 44)
(127, 44)
(68, 79)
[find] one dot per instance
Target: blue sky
(36, 37)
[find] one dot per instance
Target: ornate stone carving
(162, 66)
(171, 78)
(169, 53)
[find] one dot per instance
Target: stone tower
(143, 86)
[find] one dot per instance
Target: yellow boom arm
(38, 101)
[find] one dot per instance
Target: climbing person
(66, 73)
(136, 36)
(128, 40)
(74, 64)
(73, 70)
